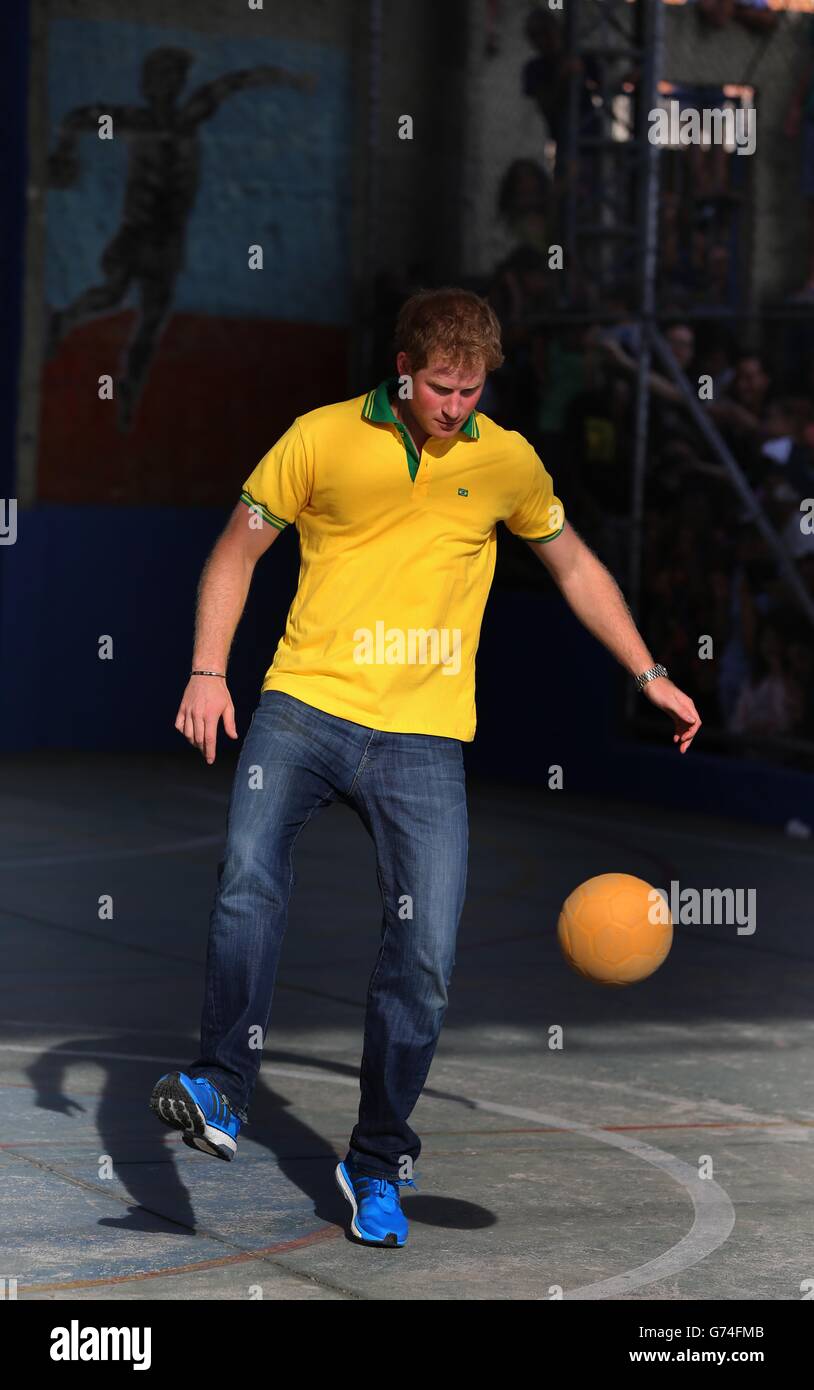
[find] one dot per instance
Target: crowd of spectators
(717, 606)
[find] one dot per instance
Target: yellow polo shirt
(397, 555)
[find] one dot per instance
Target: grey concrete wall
(504, 125)
(421, 180)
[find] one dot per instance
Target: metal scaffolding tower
(613, 51)
(608, 187)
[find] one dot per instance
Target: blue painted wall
(132, 573)
(275, 170)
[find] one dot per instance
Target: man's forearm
(594, 596)
(222, 593)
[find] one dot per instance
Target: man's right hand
(205, 700)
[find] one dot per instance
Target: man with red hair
(396, 496)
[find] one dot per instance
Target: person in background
(754, 15)
(770, 702)
(799, 123)
(800, 665)
(741, 413)
(547, 76)
(524, 203)
(521, 289)
(715, 353)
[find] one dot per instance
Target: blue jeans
(410, 794)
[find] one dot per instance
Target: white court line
(647, 827)
(94, 855)
(718, 1110)
(82, 1052)
(714, 1212)
(721, 1110)
(35, 1024)
(774, 852)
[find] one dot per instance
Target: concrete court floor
(573, 1169)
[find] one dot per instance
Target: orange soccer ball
(613, 930)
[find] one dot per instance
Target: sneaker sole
(174, 1106)
(390, 1241)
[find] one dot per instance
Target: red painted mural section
(219, 393)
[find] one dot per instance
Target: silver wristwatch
(650, 675)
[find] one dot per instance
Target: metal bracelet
(208, 673)
(651, 674)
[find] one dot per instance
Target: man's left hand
(664, 695)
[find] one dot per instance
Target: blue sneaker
(193, 1105)
(377, 1215)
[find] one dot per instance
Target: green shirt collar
(377, 407)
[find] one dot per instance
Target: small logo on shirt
(463, 492)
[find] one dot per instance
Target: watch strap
(651, 674)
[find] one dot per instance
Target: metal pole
(567, 160)
(652, 41)
(371, 230)
(652, 46)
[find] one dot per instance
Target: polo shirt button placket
(422, 477)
